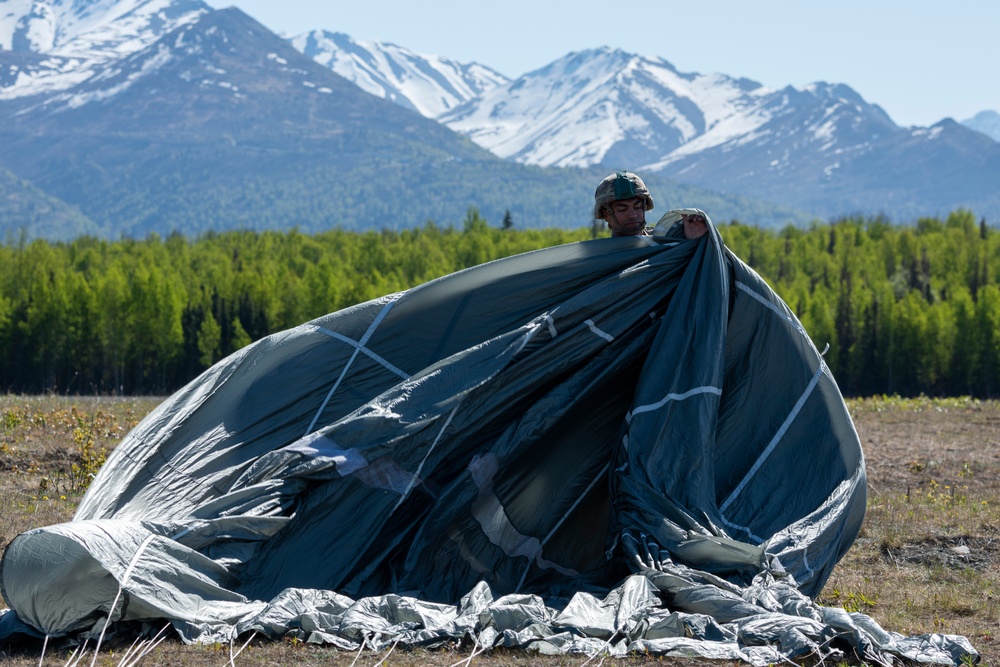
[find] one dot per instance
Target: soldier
(622, 199)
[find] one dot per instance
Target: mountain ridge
(809, 148)
(172, 127)
(987, 122)
(428, 84)
(221, 124)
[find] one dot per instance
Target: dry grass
(50, 447)
(927, 559)
(172, 654)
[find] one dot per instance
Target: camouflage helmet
(620, 185)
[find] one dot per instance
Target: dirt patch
(920, 443)
(959, 552)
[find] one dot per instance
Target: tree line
(899, 309)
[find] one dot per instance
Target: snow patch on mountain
(927, 132)
(119, 81)
(90, 28)
(80, 37)
(23, 25)
(428, 84)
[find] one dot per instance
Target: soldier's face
(626, 217)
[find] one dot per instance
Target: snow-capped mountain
(605, 106)
(812, 148)
(987, 122)
(48, 45)
(428, 84)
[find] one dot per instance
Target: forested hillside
(904, 309)
(908, 310)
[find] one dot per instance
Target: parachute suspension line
(477, 649)
(562, 520)
(232, 655)
(775, 440)
(77, 655)
(358, 347)
(602, 648)
(121, 587)
(140, 649)
(391, 649)
(364, 642)
(107, 622)
(44, 646)
(416, 475)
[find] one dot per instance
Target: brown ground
(928, 557)
(949, 453)
(910, 443)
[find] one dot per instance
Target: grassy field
(927, 559)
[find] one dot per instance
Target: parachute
(619, 445)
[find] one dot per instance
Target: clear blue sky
(920, 60)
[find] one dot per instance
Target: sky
(920, 60)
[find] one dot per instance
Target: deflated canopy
(624, 444)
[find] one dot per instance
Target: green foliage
(140, 317)
(854, 601)
(905, 310)
(91, 456)
(209, 340)
(900, 310)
